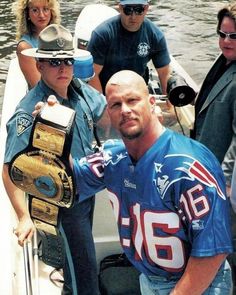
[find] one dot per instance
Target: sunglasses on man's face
(137, 9)
(223, 35)
(56, 62)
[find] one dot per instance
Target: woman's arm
(28, 65)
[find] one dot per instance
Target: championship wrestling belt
(42, 169)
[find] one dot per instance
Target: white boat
(12, 268)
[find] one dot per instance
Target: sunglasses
(56, 62)
(223, 35)
(137, 9)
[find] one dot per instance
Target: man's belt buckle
(43, 175)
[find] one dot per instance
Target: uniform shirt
(170, 205)
(20, 124)
(31, 40)
(115, 48)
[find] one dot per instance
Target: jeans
(77, 225)
(154, 285)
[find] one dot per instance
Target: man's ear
(39, 66)
(146, 8)
(152, 100)
(120, 8)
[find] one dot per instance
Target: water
(189, 27)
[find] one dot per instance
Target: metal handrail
(27, 268)
(30, 276)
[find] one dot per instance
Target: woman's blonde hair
(21, 10)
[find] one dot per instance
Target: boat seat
(118, 277)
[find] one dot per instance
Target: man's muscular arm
(198, 275)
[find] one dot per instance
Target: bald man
(166, 190)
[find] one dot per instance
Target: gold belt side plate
(48, 138)
(45, 215)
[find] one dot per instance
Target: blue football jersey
(169, 205)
